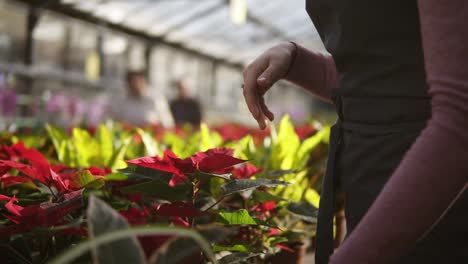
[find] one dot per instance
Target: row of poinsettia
(44, 201)
(66, 185)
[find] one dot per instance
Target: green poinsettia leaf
(105, 136)
(151, 146)
(234, 248)
(304, 210)
(103, 219)
(262, 197)
(303, 153)
(159, 190)
(242, 185)
(57, 136)
(117, 176)
(119, 154)
(240, 217)
(275, 240)
(84, 179)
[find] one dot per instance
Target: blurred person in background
(397, 75)
(185, 109)
(138, 107)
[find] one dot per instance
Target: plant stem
(213, 205)
(52, 192)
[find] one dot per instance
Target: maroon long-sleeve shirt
(434, 172)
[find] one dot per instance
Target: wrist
(292, 49)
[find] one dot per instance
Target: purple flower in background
(8, 100)
(97, 111)
(76, 106)
(56, 103)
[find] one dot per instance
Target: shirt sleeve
(434, 172)
(314, 71)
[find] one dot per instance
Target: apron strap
(325, 241)
(324, 234)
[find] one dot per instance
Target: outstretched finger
(251, 92)
(266, 111)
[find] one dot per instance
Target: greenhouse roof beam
(194, 17)
(69, 11)
(256, 20)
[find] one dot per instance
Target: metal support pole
(148, 64)
(101, 55)
(31, 23)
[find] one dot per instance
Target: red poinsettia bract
(38, 168)
(41, 215)
(246, 172)
(218, 161)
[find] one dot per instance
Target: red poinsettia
(264, 207)
(246, 172)
(179, 209)
(305, 131)
(137, 216)
(9, 180)
(218, 160)
(38, 168)
(42, 215)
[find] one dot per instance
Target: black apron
(382, 105)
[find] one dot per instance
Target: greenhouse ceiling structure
(229, 31)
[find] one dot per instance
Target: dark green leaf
(304, 211)
(278, 173)
(242, 185)
(137, 173)
(262, 197)
(16, 250)
(103, 219)
(204, 176)
(177, 250)
(237, 258)
(160, 190)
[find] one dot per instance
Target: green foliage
(81, 149)
(281, 196)
(181, 250)
(304, 210)
(242, 185)
(240, 217)
(84, 179)
(160, 190)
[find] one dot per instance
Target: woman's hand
(261, 74)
